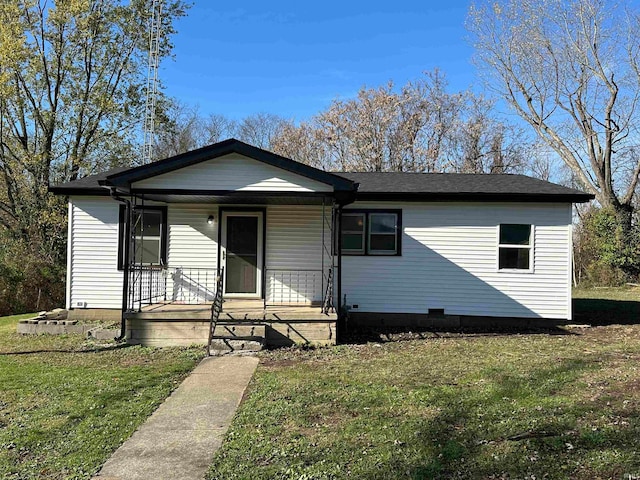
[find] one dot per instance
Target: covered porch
(269, 262)
(246, 232)
(269, 265)
(238, 320)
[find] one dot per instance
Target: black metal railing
(216, 308)
(192, 285)
(327, 300)
(147, 285)
(296, 287)
(152, 284)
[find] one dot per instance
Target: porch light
(210, 220)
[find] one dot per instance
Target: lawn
(537, 405)
(66, 403)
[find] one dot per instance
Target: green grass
(66, 403)
(475, 406)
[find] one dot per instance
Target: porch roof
(237, 197)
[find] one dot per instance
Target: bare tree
(218, 127)
(571, 70)
(482, 143)
(260, 129)
(418, 128)
(182, 128)
(303, 143)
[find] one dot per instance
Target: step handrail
(216, 308)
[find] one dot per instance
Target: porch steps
(236, 337)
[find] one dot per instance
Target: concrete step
(238, 337)
(226, 346)
(239, 331)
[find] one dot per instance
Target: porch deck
(234, 310)
(162, 324)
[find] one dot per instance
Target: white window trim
(531, 248)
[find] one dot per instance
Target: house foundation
(444, 321)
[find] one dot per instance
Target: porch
(240, 320)
(240, 310)
(271, 267)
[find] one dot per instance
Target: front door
(241, 251)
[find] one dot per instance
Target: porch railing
(216, 308)
(297, 287)
(149, 284)
(192, 285)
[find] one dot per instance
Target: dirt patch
(379, 335)
(607, 334)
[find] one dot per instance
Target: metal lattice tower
(149, 124)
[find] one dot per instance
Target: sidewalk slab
(180, 438)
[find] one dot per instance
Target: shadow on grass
(102, 348)
(600, 312)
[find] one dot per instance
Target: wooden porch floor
(234, 310)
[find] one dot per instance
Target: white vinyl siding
(294, 253)
(192, 241)
(449, 260)
(93, 256)
(233, 172)
(193, 249)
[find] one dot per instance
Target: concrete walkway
(178, 441)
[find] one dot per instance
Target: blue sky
(292, 58)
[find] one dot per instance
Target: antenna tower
(149, 125)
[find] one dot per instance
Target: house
(295, 251)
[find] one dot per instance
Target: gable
(232, 172)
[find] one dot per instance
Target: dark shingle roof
(88, 185)
(458, 185)
(372, 185)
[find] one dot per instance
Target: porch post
(339, 253)
(126, 226)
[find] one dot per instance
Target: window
(382, 233)
(149, 239)
(514, 248)
(371, 232)
(353, 233)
